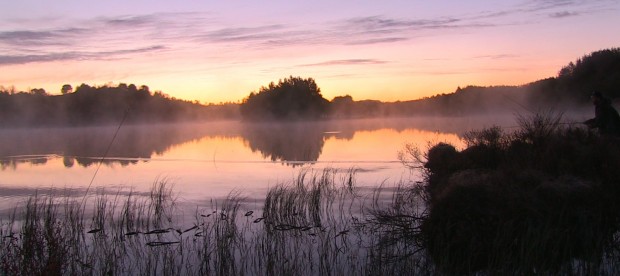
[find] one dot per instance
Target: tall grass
(318, 224)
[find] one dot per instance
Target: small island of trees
(293, 98)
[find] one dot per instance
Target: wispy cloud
(63, 56)
(260, 33)
(345, 62)
(536, 10)
(566, 8)
(497, 56)
(378, 29)
(544, 5)
(40, 37)
(110, 36)
(382, 40)
(130, 21)
(563, 14)
(381, 24)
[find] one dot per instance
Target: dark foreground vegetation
(542, 199)
(538, 200)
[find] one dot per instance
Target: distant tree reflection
(292, 143)
(86, 146)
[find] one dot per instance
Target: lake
(209, 160)
(231, 215)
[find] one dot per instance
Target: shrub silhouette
(532, 200)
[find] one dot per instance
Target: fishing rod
(105, 154)
(519, 104)
(538, 112)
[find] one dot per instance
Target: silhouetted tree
(598, 71)
(342, 106)
(38, 91)
(292, 98)
(575, 82)
(67, 88)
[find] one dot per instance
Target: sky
(221, 51)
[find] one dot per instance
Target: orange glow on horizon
(219, 87)
(217, 53)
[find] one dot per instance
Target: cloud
(131, 21)
(25, 35)
(39, 37)
(380, 29)
(63, 56)
(558, 8)
(376, 23)
(545, 5)
(108, 37)
(244, 33)
(345, 62)
(497, 56)
(530, 11)
(563, 14)
(376, 40)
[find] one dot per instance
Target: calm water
(208, 161)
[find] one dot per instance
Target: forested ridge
(572, 87)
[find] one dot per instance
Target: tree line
(296, 98)
(101, 105)
(571, 87)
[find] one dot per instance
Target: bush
(533, 200)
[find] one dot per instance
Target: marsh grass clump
(395, 232)
(57, 234)
(318, 224)
(309, 227)
(40, 245)
(539, 199)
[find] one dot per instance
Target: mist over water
(209, 160)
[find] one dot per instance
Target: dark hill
(575, 82)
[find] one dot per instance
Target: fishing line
(550, 124)
(519, 104)
(105, 154)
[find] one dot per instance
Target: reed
(310, 226)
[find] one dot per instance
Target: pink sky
(216, 51)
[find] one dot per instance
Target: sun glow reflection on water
(205, 163)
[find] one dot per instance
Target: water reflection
(86, 146)
(290, 143)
